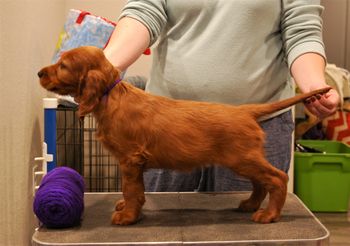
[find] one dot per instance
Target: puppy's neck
(117, 78)
(110, 87)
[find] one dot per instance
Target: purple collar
(111, 87)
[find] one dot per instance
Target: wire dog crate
(72, 142)
(78, 148)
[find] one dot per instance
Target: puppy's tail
(259, 110)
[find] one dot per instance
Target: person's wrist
(318, 84)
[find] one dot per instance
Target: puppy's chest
(118, 136)
(109, 139)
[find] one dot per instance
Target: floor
(338, 225)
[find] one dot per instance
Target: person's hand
(323, 105)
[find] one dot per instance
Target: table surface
(187, 218)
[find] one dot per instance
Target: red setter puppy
(147, 131)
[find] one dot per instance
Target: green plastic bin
(322, 180)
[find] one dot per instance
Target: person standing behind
(233, 52)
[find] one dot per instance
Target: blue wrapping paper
(83, 29)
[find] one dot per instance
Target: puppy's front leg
(129, 209)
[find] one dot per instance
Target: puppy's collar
(111, 87)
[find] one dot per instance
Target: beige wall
(336, 22)
(27, 28)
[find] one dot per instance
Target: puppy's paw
(264, 216)
(248, 206)
(124, 218)
(119, 205)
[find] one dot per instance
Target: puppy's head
(83, 73)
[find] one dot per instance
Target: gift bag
(84, 29)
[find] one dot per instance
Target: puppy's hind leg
(254, 201)
(128, 210)
(273, 180)
(276, 183)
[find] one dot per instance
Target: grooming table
(187, 218)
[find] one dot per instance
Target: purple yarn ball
(59, 201)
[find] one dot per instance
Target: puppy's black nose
(40, 73)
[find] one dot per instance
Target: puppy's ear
(91, 90)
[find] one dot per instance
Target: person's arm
(301, 27)
(129, 40)
(308, 71)
(139, 26)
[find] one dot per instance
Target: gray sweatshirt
(228, 51)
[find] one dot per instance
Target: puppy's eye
(62, 65)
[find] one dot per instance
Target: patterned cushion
(337, 127)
